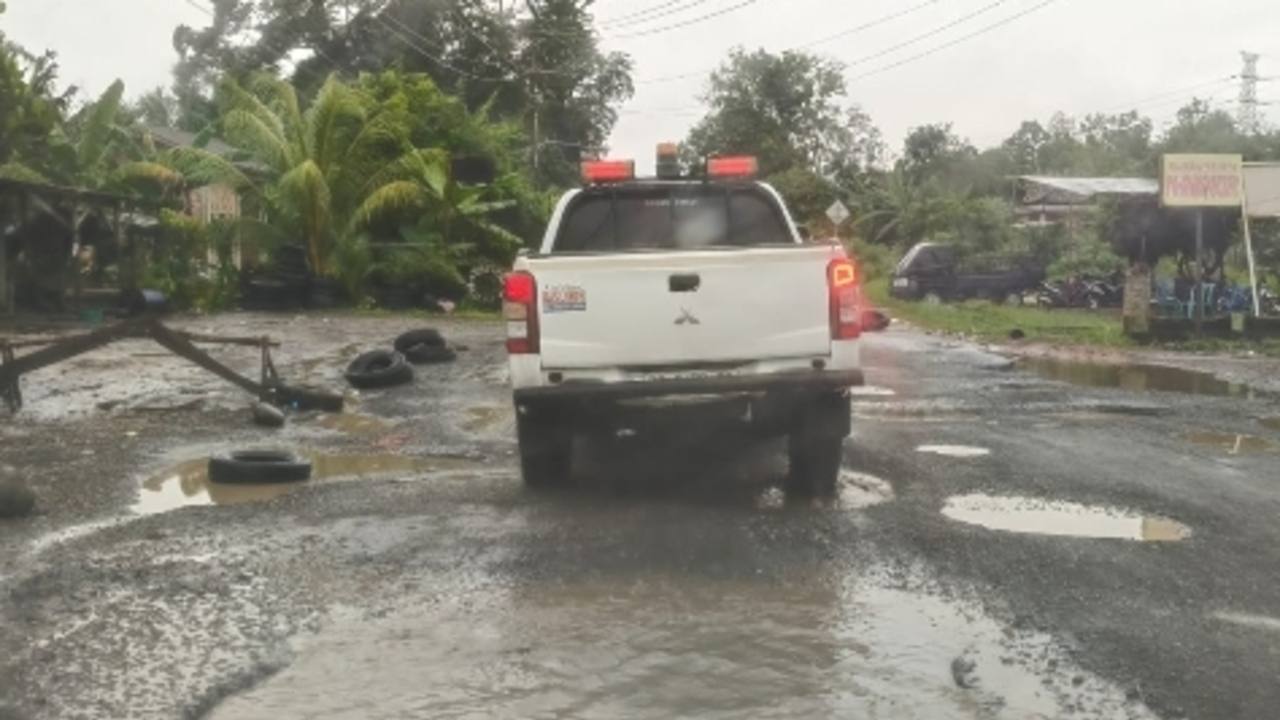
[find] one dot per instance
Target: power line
(1179, 92)
(963, 38)
(639, 18)
(929, 34)
(882, 20)
(685, 23)
(867, 25)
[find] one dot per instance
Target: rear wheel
(815, 447)
(546, 447)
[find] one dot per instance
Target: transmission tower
(1247, 116)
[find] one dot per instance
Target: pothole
(854, 491)
(1231, 443)
(1060, 518)
(187, 483)
(955, 451)
(857, 490)
(481, 418)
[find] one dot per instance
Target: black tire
(546, 448)
(425, 336)
(258, 467)
(378, 369)
(815, 447)
(429, 355)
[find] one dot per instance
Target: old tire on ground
(258, 467)
(815, 447)
(546, 447)
(425, 336)
(379, 368)
(429, 355)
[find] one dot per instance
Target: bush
(192, 264)
(876, 261)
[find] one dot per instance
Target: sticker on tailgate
(564, 298)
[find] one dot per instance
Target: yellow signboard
(1202, 181)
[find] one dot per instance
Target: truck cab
(677, 288)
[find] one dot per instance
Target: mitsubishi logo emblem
(687, 318)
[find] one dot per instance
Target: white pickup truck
(692, 290)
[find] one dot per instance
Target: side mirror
(805, 235)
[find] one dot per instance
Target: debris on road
(268, 415)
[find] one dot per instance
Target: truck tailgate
(683, 308)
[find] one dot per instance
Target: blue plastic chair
(1206, 301)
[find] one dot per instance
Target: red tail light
(842, 282)
(595, 172)
(743, 167)
(520, 308)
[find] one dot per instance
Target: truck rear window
(691, 217)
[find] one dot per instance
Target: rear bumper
(810, 381)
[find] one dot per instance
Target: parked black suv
(934, 272)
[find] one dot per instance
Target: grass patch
(989, 322)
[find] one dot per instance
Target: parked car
(934, 272)
(661, 295)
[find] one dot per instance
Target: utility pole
(1247, 113)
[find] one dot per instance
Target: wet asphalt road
(416, 578)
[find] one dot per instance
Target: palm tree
(343, 165)
(323, 163)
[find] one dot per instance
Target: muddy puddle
(681, 646)
(1063, 519)
(483, 418)
(187, 483)
(354, 424)
(1230, 443)
(1271, 423)
(1135, 378)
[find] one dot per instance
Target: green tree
(573, 87)
(789, 110)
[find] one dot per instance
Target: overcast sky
(1078, 56)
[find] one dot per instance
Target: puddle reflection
(1136, 378)
(188, 483)
(1232, 443)
(955, 451)
(1056, 518)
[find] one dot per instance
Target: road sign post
(838, 214)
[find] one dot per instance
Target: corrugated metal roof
(1087, 188)
(173, 137)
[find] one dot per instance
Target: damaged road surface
(1002, 545)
